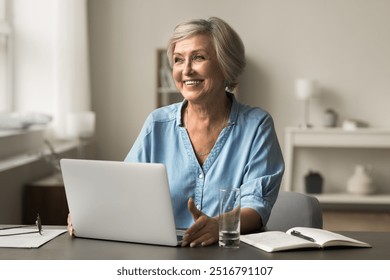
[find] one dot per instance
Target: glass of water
(229, 217)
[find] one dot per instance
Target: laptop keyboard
(180, 233)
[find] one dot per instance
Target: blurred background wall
(344, 45)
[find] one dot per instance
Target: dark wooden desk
(65, 247)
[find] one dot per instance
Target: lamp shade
(305, 88)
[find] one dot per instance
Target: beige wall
(344, 44)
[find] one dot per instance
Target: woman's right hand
(70, 226)
(203, 232)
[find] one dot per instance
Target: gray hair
(228, 45)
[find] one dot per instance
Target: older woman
(210, 140)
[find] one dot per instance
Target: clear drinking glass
(229, 217)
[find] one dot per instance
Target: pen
(300, 235)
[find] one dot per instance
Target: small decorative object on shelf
(313, 182)
(350, 124)
(330, 118)
(360, 182)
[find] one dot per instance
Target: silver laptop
(120, 201)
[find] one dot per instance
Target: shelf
(168, 96)
(346, 198)
(167, 93)
(319, 137)
(337, 137)
(167, 90)
(350, 202)
(59, 146)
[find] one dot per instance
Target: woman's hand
(203, 232)
(70, 226)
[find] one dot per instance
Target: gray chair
(294, 209)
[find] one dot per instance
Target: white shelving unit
(335, 138)
(345, 198)
(167, 92)
(168, 95)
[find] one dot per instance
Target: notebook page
(32, 240)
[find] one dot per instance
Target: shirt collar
(233, 112)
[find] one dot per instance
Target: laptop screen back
(119, 201)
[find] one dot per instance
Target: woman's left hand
(203, 232)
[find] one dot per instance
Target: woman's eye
(198, 58)
(177, 59)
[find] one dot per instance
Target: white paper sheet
(32, 240)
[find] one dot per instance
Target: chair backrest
(294, 209)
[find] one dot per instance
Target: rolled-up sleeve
(263, 172)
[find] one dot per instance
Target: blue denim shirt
(246, 155)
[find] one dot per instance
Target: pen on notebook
(300, 235)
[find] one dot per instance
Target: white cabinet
(311, 139)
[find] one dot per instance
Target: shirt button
(198, 207)
(200, 176)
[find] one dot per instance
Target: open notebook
(299, 238)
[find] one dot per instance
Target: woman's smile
(192, 82)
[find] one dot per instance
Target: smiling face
(196, 70)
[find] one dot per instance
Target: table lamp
(304, 90)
